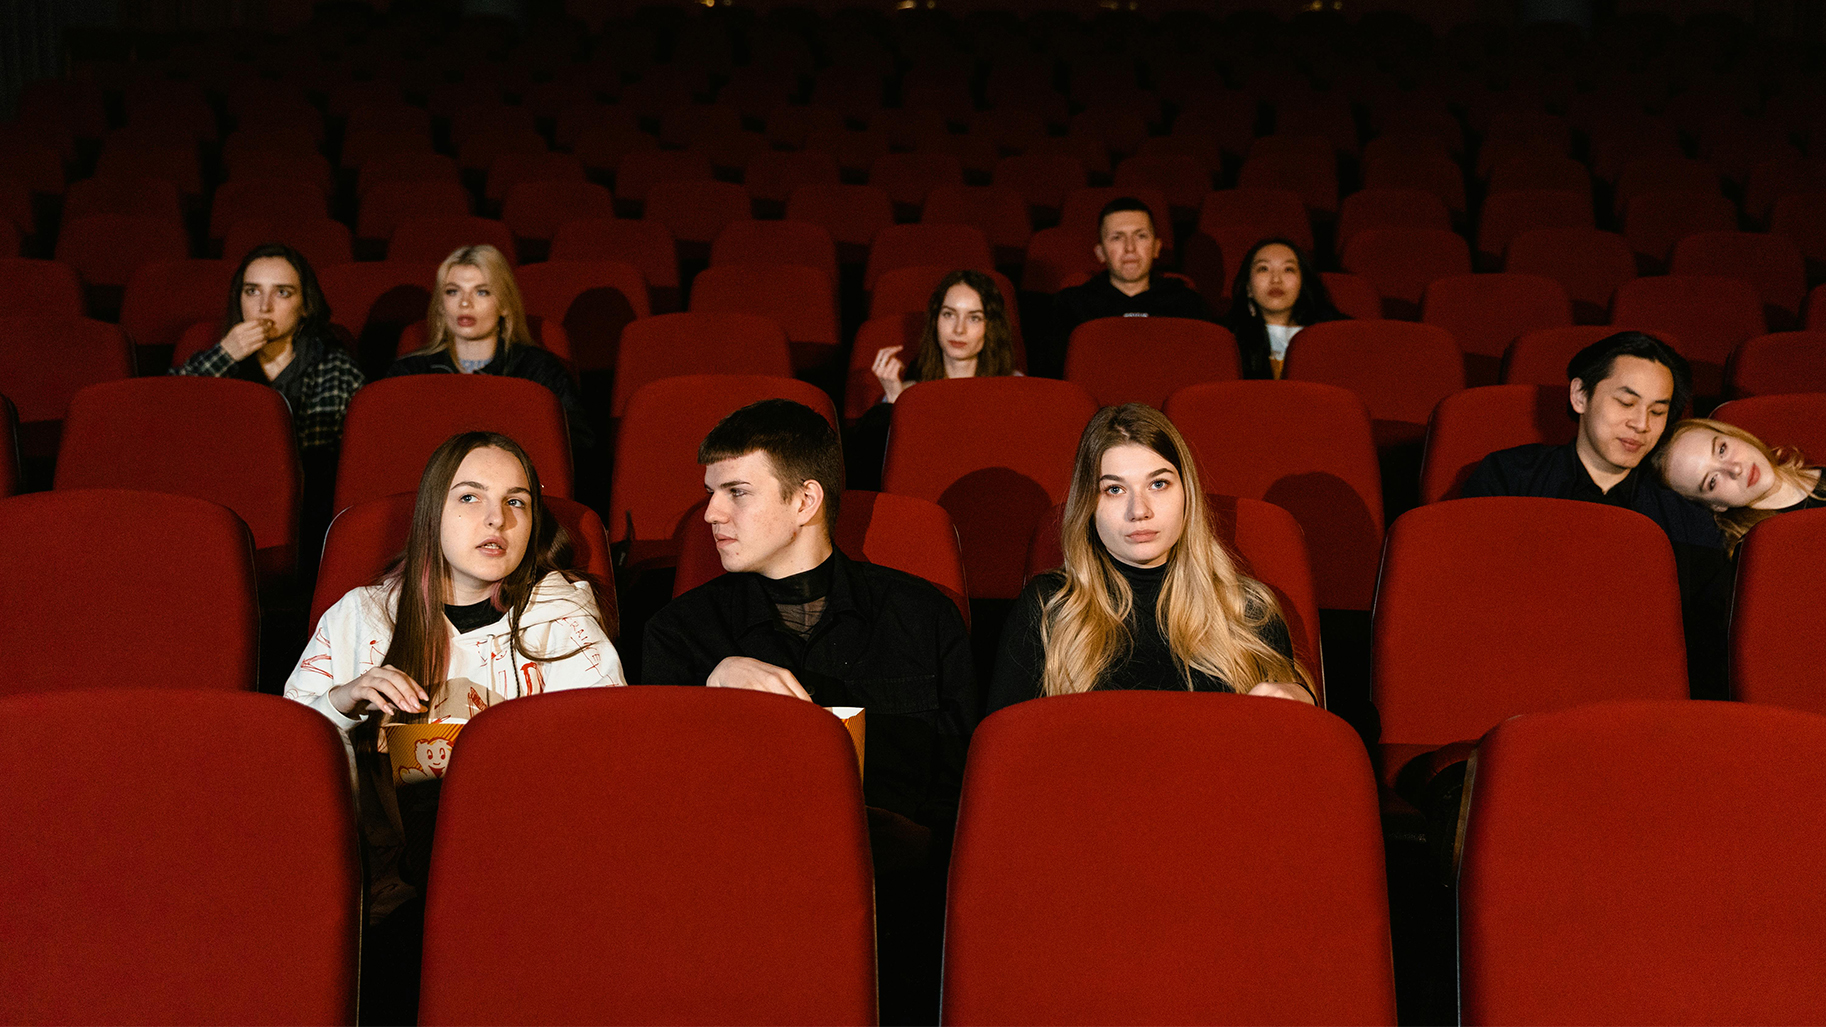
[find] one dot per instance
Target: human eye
(483, 291)
(1112, 490)
(517, 502)
(1710, 483)
(1160, 484)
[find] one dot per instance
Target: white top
(1278, 338)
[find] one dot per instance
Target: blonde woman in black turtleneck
(1148, 598)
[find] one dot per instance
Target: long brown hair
(997, 356)
(1789, 464)
(1208, 612)
(494, 267)
(420, 578)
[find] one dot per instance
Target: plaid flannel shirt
(328, 386)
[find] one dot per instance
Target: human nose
(497, 514)
(266, 302)
(463, 299)
(1140, 509)
(714, 512)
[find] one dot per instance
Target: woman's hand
(887, 369)
(245, 338)
(1283, 690)
(382, 687)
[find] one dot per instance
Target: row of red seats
(649, 780)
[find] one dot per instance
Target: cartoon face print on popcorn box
(421, 752)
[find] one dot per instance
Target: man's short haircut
(1594, 363)
(798, 441)
(1121, 204)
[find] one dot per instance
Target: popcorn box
(421, 752)
(852, 722)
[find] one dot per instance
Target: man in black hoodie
(1128, 245)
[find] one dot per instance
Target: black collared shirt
(887, 641)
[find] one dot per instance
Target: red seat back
(1710, 315)
(1137, 786)
(1469, 590)
(1390, 208)
(178, 613)
(388, 204)
(148, 861)
(776, 242)
(1401, 370)
(1776, 631)
(164, 298)
(38, 288)
(323, 241)
(955, 246)
(1782, 362)
(1401, 262)
(801, 300)
(593, 299)
(1622, 904)
(1507, 215)
(1146, 359)
(44, 361)
(673, 345)
(1590, 265)
(429, 240)
(695, 212)
(535, 210)
(394, 425)
(1795, 419)
(1485, 313)
(1770, 264)
(105, 249)
(1470, 425)
(241, 199)
(1541, 357)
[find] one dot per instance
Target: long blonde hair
(1789, 463)
(494, 267)
(1208, 612)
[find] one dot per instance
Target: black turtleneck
(1147, 661)
(798, 599)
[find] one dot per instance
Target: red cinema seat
(1433, 172)
(956, 246)
(802, 300)
(323, 241)
(125, 157)
(1312, 176)
(1307, 448)
(1782, 362)
(1402, 262)
(237, 200)
(394, 425)
(512, 169)
(593, 299)
(748, 241)
(1664, 174)
(407, 167)
(1471, 588)
(1771, 264)
(1541, 357)
(118, 912)
(164, 298)
(429, 240)
(695, 212)
(861, 389)
(632, 856)
(1000, 211)
(1773, 180)
(226, 441)
(1710, 315)
(1590, 265)
(375, 299)
(1270, 210)
(1801, 219)
(1485, 313)
(304, 167)
(647, 245)
(1400, 370)
(387, 205)
(1535, 171)
(1795, 419)
(1507, 215)
(105, 249)
(38, 288)
(1657, 220)
(1119, 125)
(188, 604)
(1390, 208)
(1776, 630)
(1622, 905)
(365, 539)
(996, 453)
(535, 210)
(901, 532)
(1044, 179)
(640, 170)
(125, 196)
(1146, 359)
(907, 178)
(1181, 178)
(698, 343)
(853, 214)
(657, 478)
(9, 448)
(908, 290)
(1056, 254)
(1266, 543)
(1353, 295)
(1816, 309)
(45, 361)
(771, 175)
(1470, 425)
(1137, 785)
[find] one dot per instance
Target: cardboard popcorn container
(421, 752)
(852, 722)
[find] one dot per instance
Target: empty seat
(1044, 179)
(1390, 208)
(771, 175)
(1182, 179)
(1795, 419)
(178, 615)
(1000, 211)
(1266, 543)
(853, 214)
(994, 452)
(698, 343)
(105, 249)
(163, 298)
(1138, 785)
(1664, 174)
(373, 300)
(406, 167)
(1433, 172)
(657, 478)
(535, 210)
(129, 196)
(1782, 362)
(123, 157)
(394, 425)
(1268, 210)
(654, 779)
(1313, 177)
(1776, 630)
(365, 538)
(1590, 265)
(1658, 220)
(748, 241)
(1622, 905)
(1507, 215)
(593, 299)
(45, 361)
(956, 246)
(1146, 359)
(1401, 262)
(431, 239)
(1353, 295)
(1710, 315)
(323, 241)
(1485, 313)
(1400, 370)
(9, 448)
(1535, 171)
(226, 441)
(908, 177)
(38, 288)
(1542, 357)
(1303, 446)
(1470, 425)
(1800, 219)
(149, 923)
(907, 534)
(647, 245)
(1055, 254)
(511, 169)
(802, 300)
(237, 200)
(695, 212)
(389, 204)
(1771, 264)
(640, 170)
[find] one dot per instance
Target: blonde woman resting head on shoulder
(1148, 597)
(1734, 474)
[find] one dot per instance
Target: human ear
(1577, 396)
(811, 502)
(1103, 256)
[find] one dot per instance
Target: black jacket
(528, 362)
(887, 641)
(1164, 297)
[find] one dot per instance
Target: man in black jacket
(794, 616)
(1623, 390)
(1128, 245)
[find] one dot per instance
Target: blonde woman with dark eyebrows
(1148, 598)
